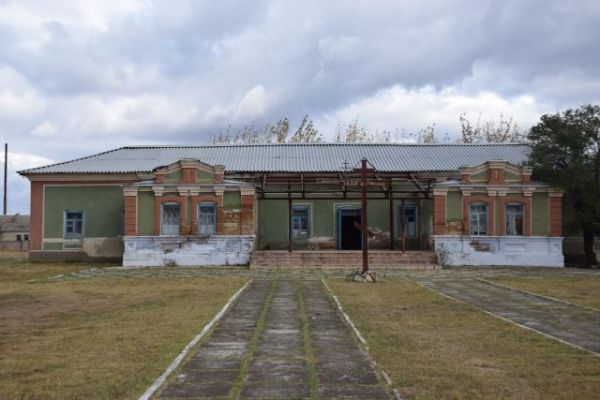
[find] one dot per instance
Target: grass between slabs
(583, 291)
(96, 338)
(436, 348)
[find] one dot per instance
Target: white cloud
(44, 130)
(78, 77)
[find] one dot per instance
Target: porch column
(220, 213)
(247, 222)
(391, 199)
(130, 217)
(289, 222)
(439, 211)
(555, 209)
(527, 196)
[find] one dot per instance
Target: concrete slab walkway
(283, 339)
(573, 324)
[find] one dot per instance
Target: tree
(505, 130)
(306, 132)
(566, 152)
(355, 133)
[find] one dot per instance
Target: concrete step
(264, 259)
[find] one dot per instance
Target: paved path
(283, 339)
(576, 325)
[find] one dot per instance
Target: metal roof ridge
(25, 171)
(169, 146)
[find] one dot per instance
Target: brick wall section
(439, 215)
(496, 176)
(247, 224)
(189, 175)
(555, 219)
(231, 222)
(37, 213)
(130, 215)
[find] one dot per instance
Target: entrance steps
(341, 259)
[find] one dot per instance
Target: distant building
(14, 232)
(223, 204)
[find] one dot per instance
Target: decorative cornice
(130, 191)
(158, 190)
(219, 190)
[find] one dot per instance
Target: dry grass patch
(97, 338)
(580, 290)
(437, 348)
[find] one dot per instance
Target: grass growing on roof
(437, 348)
(97, 338)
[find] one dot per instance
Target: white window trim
(487, 218)
(205, 204)
(65, 224)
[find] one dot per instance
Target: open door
(349, 233)
(408, 223)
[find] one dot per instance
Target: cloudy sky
(79, 77)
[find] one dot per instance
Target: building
(14, 232)
(216, 205)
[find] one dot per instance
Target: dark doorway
(349, 234)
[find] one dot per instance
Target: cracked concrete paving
(573, 324)
(282, 339)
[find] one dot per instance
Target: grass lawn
(583, 291)
(437, 348)
(96, 338)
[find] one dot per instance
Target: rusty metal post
(403, 219)
(5, 177)
(391, 199)
(289, 219)
(364, 218)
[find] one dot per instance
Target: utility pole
(5, 175)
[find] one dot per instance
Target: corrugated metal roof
(294, 157)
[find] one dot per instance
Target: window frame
(307, 208)
(506, 216)
(73, 237)
(479, 213)
(214, 210)
(162, 210)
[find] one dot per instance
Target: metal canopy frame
(348, 186)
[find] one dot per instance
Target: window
(73, 227)
(18, 238)
(514, 219)
(300, 218)
(207, 220)
(170, 219)
(26, 237)
(478, 219)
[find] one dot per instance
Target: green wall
(232, 200)
(454, 206)
(272, 224)
(102, 207)
(539, 210)
(146, 213)
(174, 176)
(273, 220)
